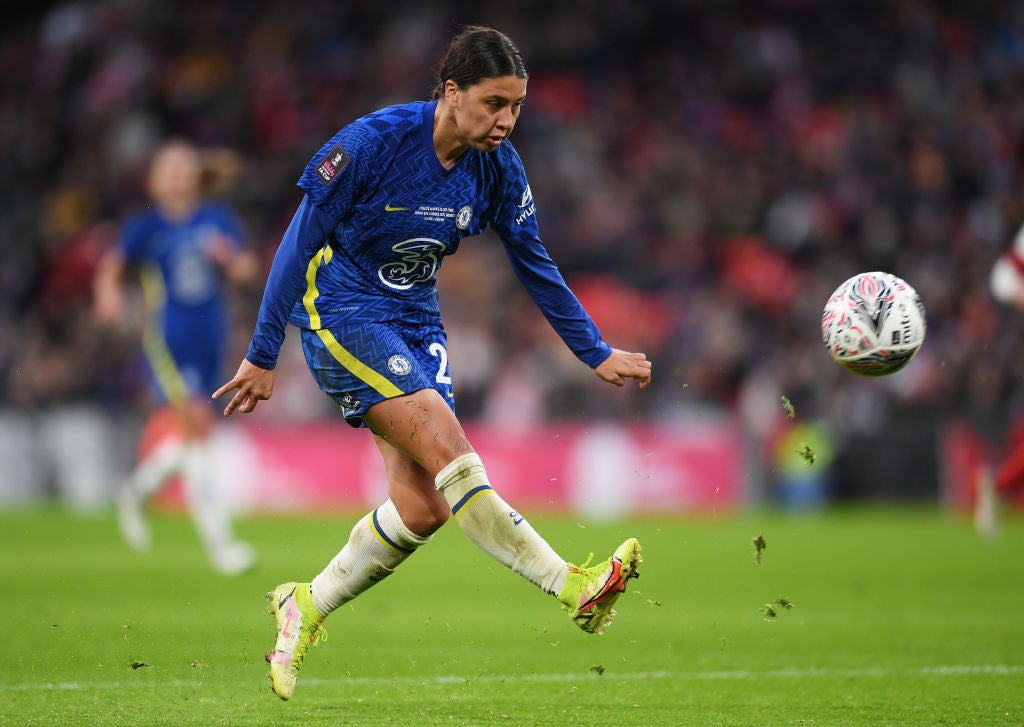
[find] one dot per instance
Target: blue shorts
(183, 364)
(361, 364)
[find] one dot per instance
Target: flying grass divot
(759, 547)
(770, 611)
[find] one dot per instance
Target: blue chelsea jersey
(182, 284)
(398, 213)
(380, 215)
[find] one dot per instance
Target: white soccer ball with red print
(873, 324)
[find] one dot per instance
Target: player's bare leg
(432, 474)
(376, 546)
(208, 508)
(986, 503)
(161, 452)
(423, 426)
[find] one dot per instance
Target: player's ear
(451, 93)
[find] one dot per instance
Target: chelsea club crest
(464, 217)
(399, 365)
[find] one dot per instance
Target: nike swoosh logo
(389, 208)
(284, 600)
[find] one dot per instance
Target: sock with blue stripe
(496, 528)
(377, 545)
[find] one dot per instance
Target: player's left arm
(240, 265)
(516, 224)
(543, 281)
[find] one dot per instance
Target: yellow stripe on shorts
(379, 383)
(154, 344)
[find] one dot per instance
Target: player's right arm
(108, 299)
(308, 232)
(132, 248)
(254, 381)
(331, 182)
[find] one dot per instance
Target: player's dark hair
(477, 53)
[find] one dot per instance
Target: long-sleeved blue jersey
(379, 215)
(186, 334)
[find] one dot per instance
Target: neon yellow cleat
(299, 624)
(590, 592)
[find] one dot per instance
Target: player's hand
(254, 385)
(217, 249)
(239, 265)
(622, 365)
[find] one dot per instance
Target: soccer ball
(873, 324)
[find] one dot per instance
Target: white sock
(376, 546)
(156, 468)
(496, 528)
(210, 513)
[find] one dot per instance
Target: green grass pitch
(899, 616)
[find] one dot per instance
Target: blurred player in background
(386, 199)
(185, 248)
(993, 486)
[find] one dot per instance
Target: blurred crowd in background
(705, 175)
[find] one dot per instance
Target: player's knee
(450, 449)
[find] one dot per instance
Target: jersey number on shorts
(436, 349)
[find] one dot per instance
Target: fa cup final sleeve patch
(332, 164)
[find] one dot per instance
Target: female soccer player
(385, 200)
(185, 248)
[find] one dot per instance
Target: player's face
(486, 112)
(175, 173)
